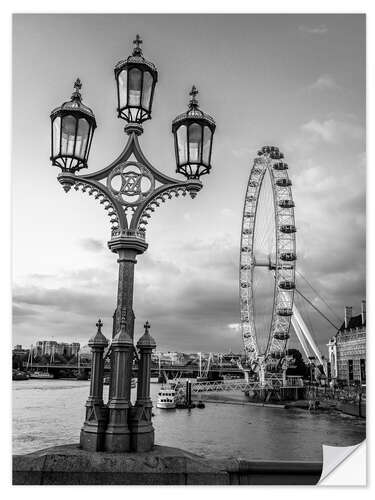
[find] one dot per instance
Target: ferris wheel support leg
(262, 373)
(307, 335)
(284, 376)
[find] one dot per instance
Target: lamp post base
(142, 435)
(93, 430)
(117, 442)
(143, 439)
(92, 438)
(141, 428)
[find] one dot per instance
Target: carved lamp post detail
(130, 188)
(117, 438)
(92, 433)
(141, 425)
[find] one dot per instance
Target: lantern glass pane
(82, 137)
(122, 88)
(195, 143)
(56, 135)
(207, 135)
(135, 82)
(147, 86)
(68, 135)
(182, 144)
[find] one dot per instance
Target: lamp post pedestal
(140, 423)
(117, 436)
(92, 433)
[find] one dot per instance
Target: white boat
(166, 398)
(107, 379)
(38, 374)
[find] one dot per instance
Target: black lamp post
(130, 189)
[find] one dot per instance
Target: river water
(51, 412)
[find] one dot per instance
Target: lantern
(135, 80)
(73, 126)
(193, 132)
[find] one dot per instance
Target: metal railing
(271, 383)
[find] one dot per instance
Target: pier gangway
(272, 383)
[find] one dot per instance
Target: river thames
(51, 412)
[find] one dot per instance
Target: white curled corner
(333, 473)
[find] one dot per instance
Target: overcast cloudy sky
(295, 81)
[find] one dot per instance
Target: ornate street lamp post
(130, 189)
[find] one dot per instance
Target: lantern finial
(193, 101)
(77, 87)
(137, 51)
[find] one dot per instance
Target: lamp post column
(127, 248)
(142, 430)
(92, 433)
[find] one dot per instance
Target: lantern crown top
(122, 336)
(135, 58)
(77, 94)
(99, 338)
(146, 340)
(75, 104)
(194, 113)
(193, 103)
(137, 51)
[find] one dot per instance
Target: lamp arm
(160, 195)
(100, 192)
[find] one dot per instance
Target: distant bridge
(169, 369)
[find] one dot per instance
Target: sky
(293, 81)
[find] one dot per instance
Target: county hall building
(347, 349)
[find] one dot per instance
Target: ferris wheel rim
(283, 291)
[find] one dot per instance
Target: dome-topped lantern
(193, 132)
(135, 80)
(73, 126)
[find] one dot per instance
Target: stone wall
(71, 465)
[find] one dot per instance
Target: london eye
(267, 260)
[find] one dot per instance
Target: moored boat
(107, 379)
(166, 398)
(39, 374)
(19, 375)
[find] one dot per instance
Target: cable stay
(318, 295)
(318, 310)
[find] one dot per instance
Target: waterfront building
(168, 358)
(347, 349)
(75, 347)
(51, 347)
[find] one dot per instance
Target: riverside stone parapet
(69, 464)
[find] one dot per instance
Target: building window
(363, 370)
(350, 368)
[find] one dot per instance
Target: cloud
(314, 30)
(235, 326)
(333, 130)
(227, 212)
(92, 244)
(324, 82)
